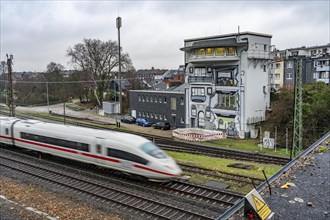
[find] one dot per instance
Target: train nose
(173, 169)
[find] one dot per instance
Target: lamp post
(118, 24)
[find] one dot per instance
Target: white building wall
(256, 81)
(253, 88)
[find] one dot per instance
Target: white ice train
(116, 150)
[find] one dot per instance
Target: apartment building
(226, 81)
(315, 65)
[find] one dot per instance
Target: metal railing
(240, 204)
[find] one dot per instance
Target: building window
(173, 103)
(200, 71)
(156, 117)
(289, 65)
(201, 119)
(165, 118)
(208, 112)
(227, 101)
(160, 99)
(209, 90)
(193, 111)
(230, 51)
(139, 98)
(156, 99)
(220, 51)
(143, 99)
(265, 68)
(277, 76)
(265, 48)
(151, 115)
(325, 75)
(151, 98)
(147, 98)
(165, 100)
(181, 120)
(277, 65)
(160, 116)
(201, 52)
(147, 114)
(209, 52)
(143, 114)
(289, 75)
(181, 101)
(140, 114)
(198, 94)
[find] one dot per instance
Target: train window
(7, 131)
(151, 149)
(56, 141)
(98, 149)
(126, 156)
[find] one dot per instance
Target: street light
(118, 24)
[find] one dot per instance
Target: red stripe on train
(86, 155)
(152, 170)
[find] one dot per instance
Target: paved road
(91, 114)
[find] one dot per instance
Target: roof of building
(230, 35)
(124, 83)
(151, 71)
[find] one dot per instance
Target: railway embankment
(304, 191)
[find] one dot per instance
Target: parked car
(128, 119)
(143, 122)
(162, 125)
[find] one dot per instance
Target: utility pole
(47, 96)
(297, 126)
(118, 24)
(10, 87)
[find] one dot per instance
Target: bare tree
(97, 58)
(53, 76)
(3, 67)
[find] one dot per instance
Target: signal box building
(226, 79)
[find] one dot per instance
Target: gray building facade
(158, 106)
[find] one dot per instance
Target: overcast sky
(39, 32)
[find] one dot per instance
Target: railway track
(222, 175)
(180, 146)
(214, 199)
(150, 208)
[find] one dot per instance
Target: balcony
(226, 89)
(326, 81)
(225, 110)
(200, 79)
(226, 82)
(195, 58)
(322, 68)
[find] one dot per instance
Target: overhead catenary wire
(67, 82)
